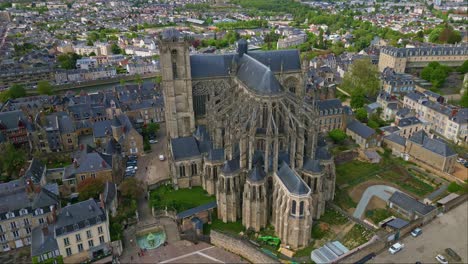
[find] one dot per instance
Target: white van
(395, 248)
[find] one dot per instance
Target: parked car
(441, 259)
(453, 254)
(461, 160)
(132, 168)
(396, 248)
(153, 141)
(161, 157)
(416, 232)
(466, 164)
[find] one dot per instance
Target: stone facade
(234, 121)
(399, 59)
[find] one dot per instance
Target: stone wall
(240, 247)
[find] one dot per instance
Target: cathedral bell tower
(176, 84)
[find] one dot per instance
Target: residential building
(86, 63)
(432, 151)
(396, 83)
(364, 136)
(410, 207)
(16, 128)
(332, 115)
(448, 121)
(291, 41)
(399, 59)
(79, 234)
(55, 132)
(24, 206)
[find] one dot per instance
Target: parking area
(448, 231)
(150, 168)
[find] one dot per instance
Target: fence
(155, 185)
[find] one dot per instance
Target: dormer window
(23, 211)
(39, 211)
(10, 215)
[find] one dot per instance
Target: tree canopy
(68, 60)
(445, 34)
(130, 188)
(90, 188)
(361, 114)
(435, 73)
(116, 49)
(11, 160)
(44, 87)
(362, 78)
(337, 135)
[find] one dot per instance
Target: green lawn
(333, 217)
(354, 172)
(305, 252)
(401, 177)
(216, 224)
(180, 200)
(357, 236)
(342, 198)
(378, 215)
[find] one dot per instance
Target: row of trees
(435, 73)
(18, 91)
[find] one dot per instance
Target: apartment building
(24, 206)
(86, 63)
(291, 41)
(16, 128)
(332, 115)
(399, 59)
(79, 234)
(396, 83)
(448, 121)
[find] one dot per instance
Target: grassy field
(354, 172)
(342, 199)
(180, 200)
(378, 215)
(357, 236)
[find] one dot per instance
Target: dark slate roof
(101, 127)
(43, 241)
(88, 161)
(397, 223)
(409, 121)
(410, 204)
(216, 155)
(196, 210)
(257, 174)
(461, 117)
(184, 148)
(78, 216)
(257, 77)
(361, 129)
(66, 124)
(45, 198)
(291, 180)
(115, 122)
(231, 166)
(110, 192)
(435, 145)
(289, 60)
(403, 112)
(11, 120)
(322, 153)
(312, 165)
(210, 65)
(329, 104)
(397, 139)
(35, 171)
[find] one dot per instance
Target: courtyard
(447, 231)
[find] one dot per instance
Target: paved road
(449, 230)
(382, 191)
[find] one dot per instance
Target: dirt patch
(375, 202)
(356, 192)
(460, 172)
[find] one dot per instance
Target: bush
(454, 187)
(337, 135)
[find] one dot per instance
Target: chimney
(54, 214)
(103, 163)
(81, 147)
(29, 188)
(37, 189)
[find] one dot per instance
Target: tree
(357, 101)
(12, 159)
(464, 99)
(152, 128)
(90, 188)
(89, 43)
(130, 188)
(138, 80)
(92, 53)
(17, 91)
(68, 60)
(361, 114)
(115, 49)
(44, 87)
(463, 68)
(361, 78)
(337, 135)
